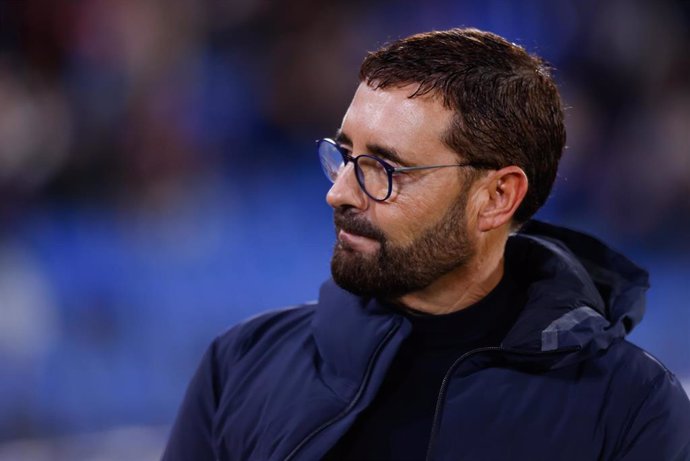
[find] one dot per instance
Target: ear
(504, 191)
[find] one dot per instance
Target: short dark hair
(507, 107)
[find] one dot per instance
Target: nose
(345, 191)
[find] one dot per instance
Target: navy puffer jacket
(563, 385)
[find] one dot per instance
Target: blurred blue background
(158, 182)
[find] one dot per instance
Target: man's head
(453, 97)
(506, 107)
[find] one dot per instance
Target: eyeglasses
(374, 175)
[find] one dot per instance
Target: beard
(393, 271)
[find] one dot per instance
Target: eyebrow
(386, 153)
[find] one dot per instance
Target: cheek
(404, 219)
(420, 205)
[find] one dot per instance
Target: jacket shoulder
(636, 364)
(656, 422)
(633, 371)
(257, 333)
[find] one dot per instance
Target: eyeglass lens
(371, 173)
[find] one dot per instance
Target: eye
(343, 149)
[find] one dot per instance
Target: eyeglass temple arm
(428, 167)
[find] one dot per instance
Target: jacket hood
(582, 295)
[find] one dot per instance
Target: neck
(461, 288)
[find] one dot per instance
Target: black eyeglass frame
(390, 169)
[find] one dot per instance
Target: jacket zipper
(354, 401)
(442, 394)
(446, 379)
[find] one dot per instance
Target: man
(444, 335)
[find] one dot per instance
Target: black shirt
(397, 424)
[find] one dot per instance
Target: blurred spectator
(28, 330)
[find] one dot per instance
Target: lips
(350, 233)
(357, 242)
(354, 233)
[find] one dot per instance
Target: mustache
(354, 224)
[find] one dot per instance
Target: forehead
(389, 117)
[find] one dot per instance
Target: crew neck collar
(486, 320)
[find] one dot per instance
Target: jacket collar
(348, 331)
